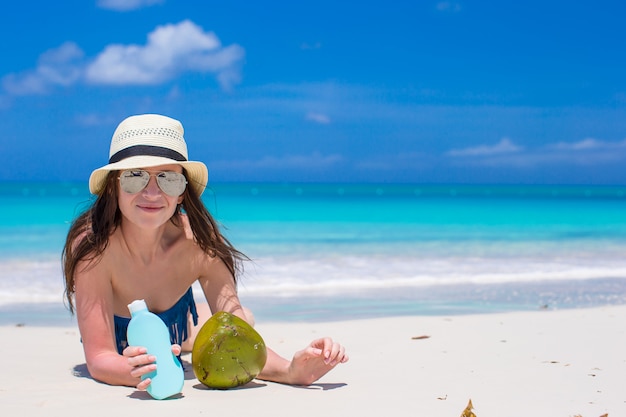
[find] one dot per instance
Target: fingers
(143, 385)
(141, 363)
(335, 355)
(132, 351)
(332, 352)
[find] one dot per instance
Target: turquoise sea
(341, 251)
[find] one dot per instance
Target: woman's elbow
(104, 374)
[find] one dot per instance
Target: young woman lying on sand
(149, 236)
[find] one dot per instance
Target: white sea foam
(27, 281)
(43, 282)
(333, 276)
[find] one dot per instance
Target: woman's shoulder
(183, 238)
(94, 262)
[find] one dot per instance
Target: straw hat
(149, 140)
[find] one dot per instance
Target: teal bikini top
(175, 318)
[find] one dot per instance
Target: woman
(149, 236)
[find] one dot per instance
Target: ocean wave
(26, 281)
(336, 275)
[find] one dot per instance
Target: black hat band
(146, 150)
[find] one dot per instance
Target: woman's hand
(142, 363)
(314, 361)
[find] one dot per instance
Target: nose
(152, 189)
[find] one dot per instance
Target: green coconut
(227, 352)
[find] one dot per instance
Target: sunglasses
(171, 183)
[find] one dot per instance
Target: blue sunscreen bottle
(148, 330)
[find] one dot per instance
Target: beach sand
(543, 363)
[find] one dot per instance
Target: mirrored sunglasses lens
(172, 183)
(134, 181)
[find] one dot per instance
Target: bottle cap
(136, 306)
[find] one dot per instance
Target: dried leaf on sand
(468, 410)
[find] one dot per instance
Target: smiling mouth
(150, 208)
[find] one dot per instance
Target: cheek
(123, 202)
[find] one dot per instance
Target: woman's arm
(307, 365)
(94, 301)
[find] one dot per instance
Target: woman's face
(149, 208)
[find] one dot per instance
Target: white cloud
(305, 46)
(174, 93)
(505, 146)
(448, 6)
(170, 50)
(93, 119)
(586, 152)
(318, 118)
(588, 144)
(127, 5)
(57, 67)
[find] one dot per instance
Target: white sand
(546, 363)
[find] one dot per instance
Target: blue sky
(529, 92)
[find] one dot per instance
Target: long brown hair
(89, 234)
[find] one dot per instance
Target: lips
(149, 208)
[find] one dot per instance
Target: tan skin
(149, 257)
